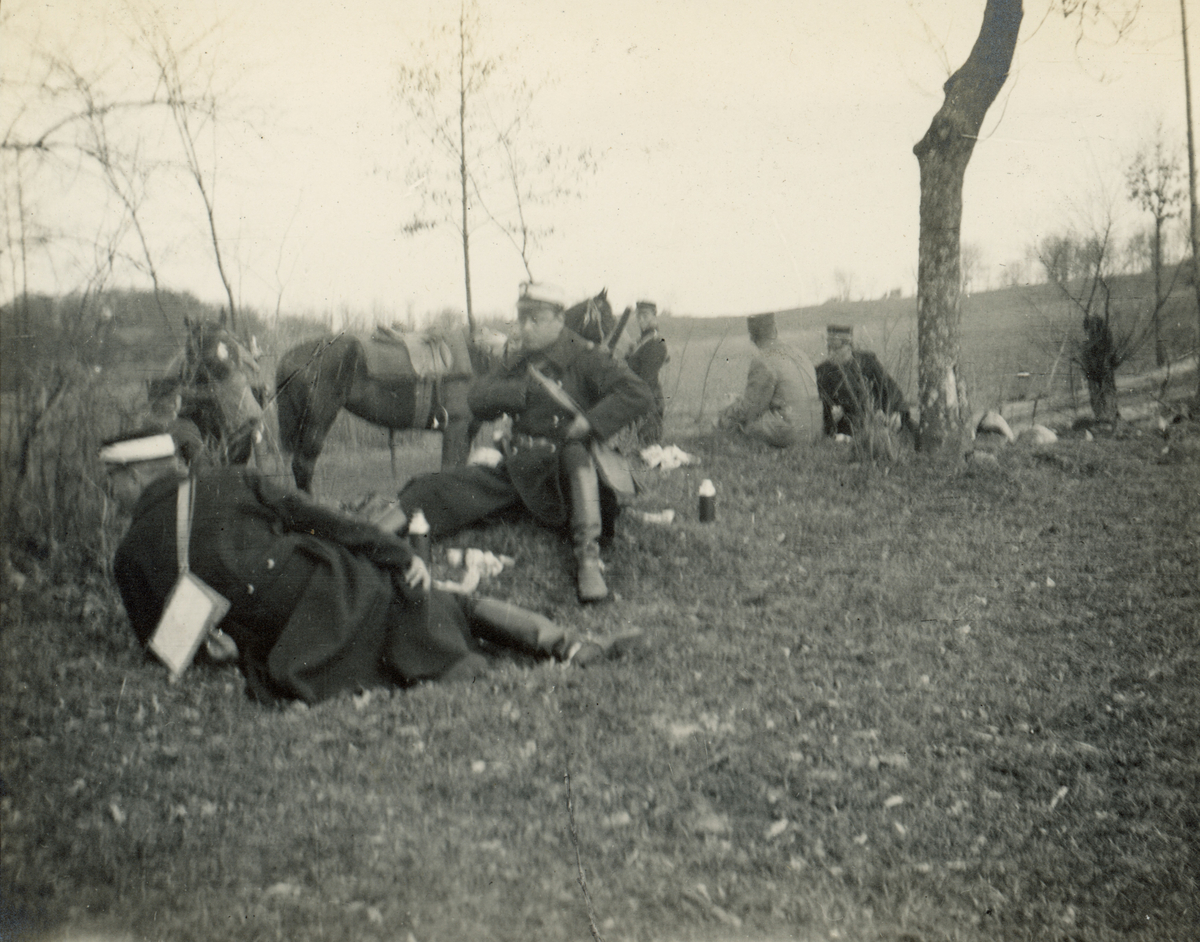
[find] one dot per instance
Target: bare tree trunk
(1160, 353)
(462, 162)
(943, 154)
(1195, 225)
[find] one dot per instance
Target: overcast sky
(745, 152)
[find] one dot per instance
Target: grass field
(875, 703)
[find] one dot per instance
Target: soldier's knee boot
(586, 523)
(511, 626)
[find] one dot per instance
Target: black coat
(318, 603)
(859, 387)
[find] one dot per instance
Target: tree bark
(943, 154)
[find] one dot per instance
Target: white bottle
(418, 534)
(708, 501)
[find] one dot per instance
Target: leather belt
(523, 442)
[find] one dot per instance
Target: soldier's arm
(620, 395)
(502, 390)
(299, 513)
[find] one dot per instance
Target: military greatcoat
(318, 600)
(530, 479)
(646, 359)
(771, 408)
(858, 387)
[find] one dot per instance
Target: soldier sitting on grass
(549, 473)
(771, 408)
(320, 603)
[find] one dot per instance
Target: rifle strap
(184, 500)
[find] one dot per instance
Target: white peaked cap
(536, 292)
(147, 448)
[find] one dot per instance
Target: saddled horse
(398, 381)
(215, 384)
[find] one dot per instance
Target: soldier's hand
(578, 430)
(417, 575)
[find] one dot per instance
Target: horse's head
(592, 318)
(214, 352)
(221, 389)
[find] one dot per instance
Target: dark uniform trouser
(461, 497)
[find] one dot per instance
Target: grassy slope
(899, 706)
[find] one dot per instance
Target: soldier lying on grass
(320, 603)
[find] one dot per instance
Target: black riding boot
(510, 626)
(586, 522)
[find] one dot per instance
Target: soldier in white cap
(549, 473)
(319, 602)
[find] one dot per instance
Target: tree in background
(1112, 329)
(943, 154)
(478, 150)
(1155, 184)
(1194, 209)
(86, 139)
(972, 266)
(843, 285)
(185, 85)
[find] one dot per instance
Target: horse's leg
(304, 421)
(460, 422)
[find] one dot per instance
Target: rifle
(610, 465)
(616, 335)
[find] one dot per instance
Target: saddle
(393, 355)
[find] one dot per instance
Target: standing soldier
(646, 359)
(549, 472)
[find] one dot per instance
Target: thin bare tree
(471, 128)
(186, 85)
(1155, 184)
(1194, 210)
(1111, 329)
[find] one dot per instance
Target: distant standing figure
(771, 408)
(854, 386)
(646, 359)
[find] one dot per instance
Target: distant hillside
(1004, 333)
